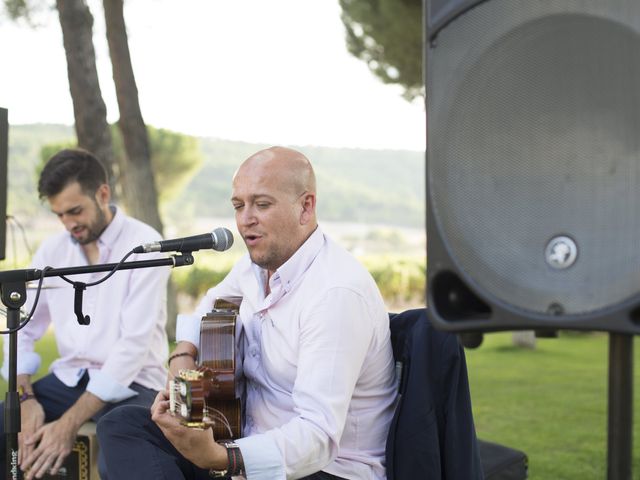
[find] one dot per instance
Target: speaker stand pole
(620, 428)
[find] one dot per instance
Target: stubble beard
(95, 229)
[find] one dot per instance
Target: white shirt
(318, 364)
(126, 340)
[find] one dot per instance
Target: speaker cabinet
(533, 164)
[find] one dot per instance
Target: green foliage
(25, 163)
(16, 9)
(387, 35)
(48, 151)
(196, 280)
(209, 270)
(401, 279)
(354, 185)
(175, 158)
(32, 13)
(210, 191)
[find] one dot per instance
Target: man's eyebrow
(255, 197)
(69, 210)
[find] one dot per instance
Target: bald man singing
(317, 363)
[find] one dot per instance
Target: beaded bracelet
(180, 354)
(24, 395)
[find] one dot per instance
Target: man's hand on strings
(196, 445)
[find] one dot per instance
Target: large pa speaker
(4, 149)
(533, 164)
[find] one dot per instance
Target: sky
(265, 71)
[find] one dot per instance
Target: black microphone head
(222, 239)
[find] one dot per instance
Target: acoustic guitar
(211, 391)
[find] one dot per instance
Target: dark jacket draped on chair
(432, 435)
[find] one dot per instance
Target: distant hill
(25, 142)
(354, 185)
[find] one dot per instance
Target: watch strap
(235, 464)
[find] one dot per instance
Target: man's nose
(246, 217)
(68, 222)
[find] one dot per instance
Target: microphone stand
(13, 293)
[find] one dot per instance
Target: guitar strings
(214, 415)
(222, 418)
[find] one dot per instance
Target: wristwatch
(24, 395)
(235, 464)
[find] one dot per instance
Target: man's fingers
(57, 464)
(21, 447)
(45, 463)
(161, 398)
(24, 452)
(34, 437)
(28, 458)
(38, 469)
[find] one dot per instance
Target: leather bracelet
(180, 354)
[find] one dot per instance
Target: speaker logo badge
(561, 252)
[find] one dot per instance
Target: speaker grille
(534, 125)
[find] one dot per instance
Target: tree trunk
(138, 184)
(139, 188)
(89, 109)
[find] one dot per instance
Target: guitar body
(211, 391)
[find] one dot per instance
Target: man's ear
(308, 203)
(103, 194)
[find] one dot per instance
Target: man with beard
(119, 357)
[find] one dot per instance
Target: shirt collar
(292, 270)
(112, 232)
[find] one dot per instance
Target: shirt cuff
(262, 458)
(188, 328)
(106, 388)
(28, 364)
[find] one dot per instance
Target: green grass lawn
(550, 402)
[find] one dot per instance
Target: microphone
(219, 240)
